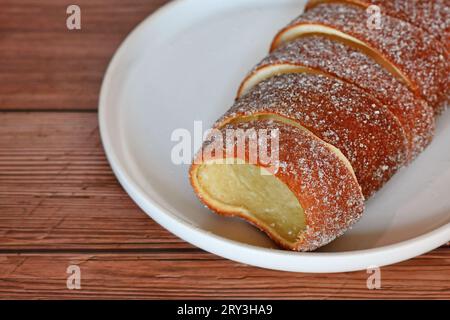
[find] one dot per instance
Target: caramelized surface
(243, 188)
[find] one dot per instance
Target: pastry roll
(321, 55)
(433, 16)
(411, 54)
(365, 131)
(312, 197)
(350, 106)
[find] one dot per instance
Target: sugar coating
(346, 63)
(419, 56)
(341, 114)
(433, 16)
(325, 187)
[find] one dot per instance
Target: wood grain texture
(46, 66)
(198, 275)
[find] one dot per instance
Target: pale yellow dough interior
(243, 189)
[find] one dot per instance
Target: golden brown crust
(432, 16)
(324, 185)
(346, 63)
(419, 58)
(367, 133)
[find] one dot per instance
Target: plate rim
(311, 262)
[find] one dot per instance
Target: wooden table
(60, 204)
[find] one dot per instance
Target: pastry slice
(321, 55)
(409, 53)
(432, 16)
(369, 135)
(304, 202)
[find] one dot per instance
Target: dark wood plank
(60, 203)
(46, 66)
(58, 191)
(201, 275)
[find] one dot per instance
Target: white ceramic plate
(183, 64)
